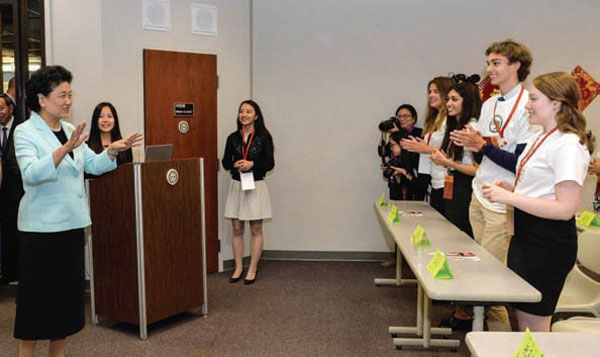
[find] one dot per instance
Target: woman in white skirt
(248, 156)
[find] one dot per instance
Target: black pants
(437, 200)
(420, 185)
(457, 209)
(401, 191)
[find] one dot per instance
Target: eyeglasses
(393, 144)
(405, 116)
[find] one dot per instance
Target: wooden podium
(148, 244)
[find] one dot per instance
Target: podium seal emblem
(172, 177)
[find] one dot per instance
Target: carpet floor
(293, 309)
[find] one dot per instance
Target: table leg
(398, 281)
(426, 321)
(478, 318)
(420, 310)
(92, 293)
(423, 328)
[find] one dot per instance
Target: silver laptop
(158, 153)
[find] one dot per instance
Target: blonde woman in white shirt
(546, 193)
(433, 134)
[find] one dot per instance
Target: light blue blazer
(55, 198)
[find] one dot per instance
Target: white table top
(486, 280)
(593, 229)
(562, 344)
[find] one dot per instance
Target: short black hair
(43, 81)
(410, 108)
(397, 136)
(7, 99)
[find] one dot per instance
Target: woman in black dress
(546, 194)
(463, 105)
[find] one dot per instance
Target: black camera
(389, 171)
(388, 124)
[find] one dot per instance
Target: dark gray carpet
(293, 309)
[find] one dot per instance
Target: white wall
(75, 42)
(101, 42)
(326, 72)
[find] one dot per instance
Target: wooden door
(181, 78)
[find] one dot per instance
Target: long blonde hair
(433, 117)
(562, 87)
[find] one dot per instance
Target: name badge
(448, 187)
(247, 179)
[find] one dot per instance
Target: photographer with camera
(407, 115)
(398, 165)
(398, 169)
(387, 127)
(403, 122)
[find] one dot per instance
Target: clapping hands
(131, 140)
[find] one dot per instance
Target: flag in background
(588, 87)
(487, 89)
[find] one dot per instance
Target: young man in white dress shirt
(502, 133)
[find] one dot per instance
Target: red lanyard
(431, 132)
(501, 130)
(247, 148)
(530, 153)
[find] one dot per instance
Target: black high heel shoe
(251, 281)
(235, 280)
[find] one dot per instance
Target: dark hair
(95, 141)
(259, 123)
(471, 108)
(7, 99)
(43, 81)
(397, 136)
(410, 108)
(514, 52)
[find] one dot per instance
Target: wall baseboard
(314, 256)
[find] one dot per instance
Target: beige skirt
(248, 205)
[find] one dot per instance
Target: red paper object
(487, 89)
(587, 85)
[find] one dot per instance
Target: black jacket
(260, 152)
(12, 184)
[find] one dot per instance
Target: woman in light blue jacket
(52, 157)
